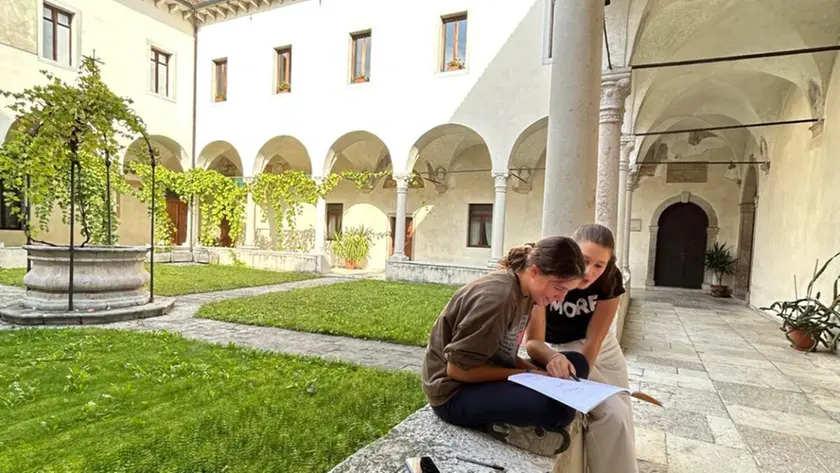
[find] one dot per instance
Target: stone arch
(360, 151)
(172, 155)
(684, 197)
(221, 156)
(527, 154)
(746, 231)
(282, 153)
(441, 149)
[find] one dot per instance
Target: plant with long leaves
(817, 320)
(59, 126)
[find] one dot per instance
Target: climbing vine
(60, 125)
(219, 198)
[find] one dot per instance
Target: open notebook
(583, 395)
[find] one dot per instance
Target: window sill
(547, 61)
(479, 247)
(457, 73)
(161, 96)
(283, 92)
(58, 64)
(359, 83)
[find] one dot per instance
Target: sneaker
(533, 439)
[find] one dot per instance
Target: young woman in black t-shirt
(581, 322)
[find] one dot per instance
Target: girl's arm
(535, 336)
(482, 374)
(599, 325)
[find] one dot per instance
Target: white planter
(104, 278)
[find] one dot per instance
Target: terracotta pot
(454, 67)
(359, 80)
(348, 264)
(802, 341)
(720, 291)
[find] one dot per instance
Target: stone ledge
(423, 434)
(15, 314)
(418, 271)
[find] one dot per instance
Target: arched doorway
(681, 246)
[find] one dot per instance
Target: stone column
(614, 89)
(250, 221)
(191, 226)
(571, 163)
(399, 232)
(320, 221)
(497, 245)
(745, 243)
(628, 215)
(628, 143)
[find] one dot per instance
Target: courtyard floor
(737, 398)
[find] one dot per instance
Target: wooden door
(409, 236)
(224, 237)
(177, 211)
(681, 247)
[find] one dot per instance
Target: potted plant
(221, 97)
(807, 321)
(455, 65)
(361, 78)
(353, 245)
(284, 87)
(720, 262)
(61, 156)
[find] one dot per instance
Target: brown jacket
(482, 324)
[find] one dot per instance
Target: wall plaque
(635, 224)
(687, 172)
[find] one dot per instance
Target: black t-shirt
(567, 321)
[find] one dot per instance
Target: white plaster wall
(798, 216)
(121, 32)
(721, 193)
(502, 91)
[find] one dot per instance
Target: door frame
(711, 231)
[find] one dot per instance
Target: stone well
(109, 286)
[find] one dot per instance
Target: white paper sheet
(583, 395)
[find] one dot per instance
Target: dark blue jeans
(504, 402)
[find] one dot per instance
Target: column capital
(628, 144)
(615, 86)
(500, 178)
(402, 179)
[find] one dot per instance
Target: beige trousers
(610, 438)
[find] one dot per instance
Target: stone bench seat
(424, 434)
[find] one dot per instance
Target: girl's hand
(560, 367)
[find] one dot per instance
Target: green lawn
(12, 276)
(174, 280)
(389, 311)
(99, 400)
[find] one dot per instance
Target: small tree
(60, 126)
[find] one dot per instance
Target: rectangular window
(480, 226)
(361, 57)
(454, 54)
(8, 220)
(159, 72)
(220, 80)
(335, 213)
(57, 35)
(284, 69)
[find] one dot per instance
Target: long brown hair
(554, 256)
(601, 236)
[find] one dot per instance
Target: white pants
(610, 439)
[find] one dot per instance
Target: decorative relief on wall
(522, 179)
(684, 172)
